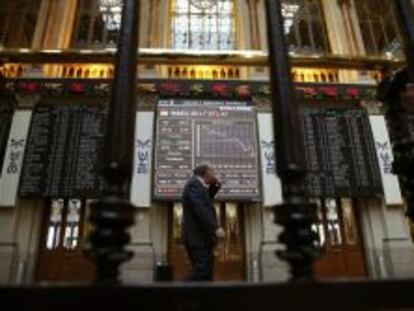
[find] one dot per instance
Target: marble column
(339, 34)
(55, 27)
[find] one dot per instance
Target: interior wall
(273, 269)
(399, 243)
(8, 244)
(140, 267)
(388, 244)
(159, 232)
(20, 228)
(253, 218)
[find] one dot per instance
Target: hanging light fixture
(289, 12)
(114, 6)
(109, 3)
(203, 4)
(111, 13)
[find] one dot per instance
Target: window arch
(378, 27)
(98, 23)
(18, 20)
(203, 24)
(305, 26)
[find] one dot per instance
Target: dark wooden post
(296, 214)
(113, 213)
(399, 110)
(405, 18)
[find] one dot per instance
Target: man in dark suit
(200, 226)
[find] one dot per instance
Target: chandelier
(203, 4)
(110, 3)
(289, 12)
(110, 11)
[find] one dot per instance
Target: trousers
(202, 263)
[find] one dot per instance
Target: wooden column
(405, 18)
(296, 214)
(400, 109)
(113, 213)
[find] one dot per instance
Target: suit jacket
(199, 215)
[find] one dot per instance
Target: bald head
(207, 173)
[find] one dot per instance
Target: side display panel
(341, 155)
(141, 190)
(14, 155)
(63, 150)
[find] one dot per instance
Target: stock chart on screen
(222, 134)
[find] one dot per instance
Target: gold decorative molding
(174, 57)
(315, 75)
(210, 72)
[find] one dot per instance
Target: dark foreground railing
(400, 107)
(113, 214)
(384, 295)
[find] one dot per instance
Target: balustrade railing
(113, 214)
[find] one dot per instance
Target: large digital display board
(220, 133)
(63, 152)
(341, 155)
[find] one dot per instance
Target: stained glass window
(378, 27)
(305, 26)
(18, 20)
(203, 24)
(98, 24)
